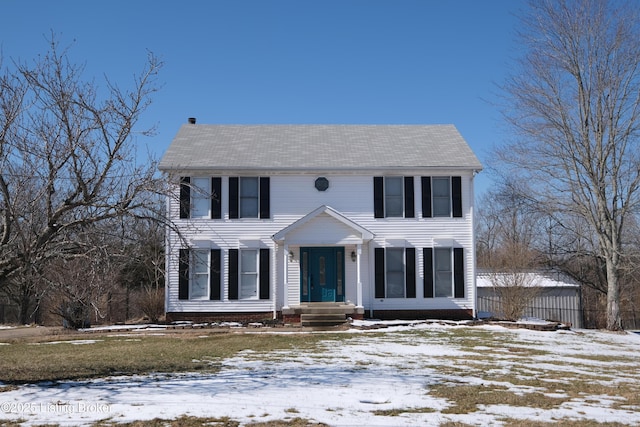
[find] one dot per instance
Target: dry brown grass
(32, 360)
(510, 370)
(466, 398)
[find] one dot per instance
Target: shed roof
(548, 279)
(326, 147)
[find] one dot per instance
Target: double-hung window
(199, 274)
(395, 273)
(443, 272)
(199, 284)
(393, 197)
(249, 274)
(200, 197)
(441, 196)
(249, 197)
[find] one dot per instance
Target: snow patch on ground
(360, 380)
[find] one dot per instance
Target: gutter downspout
(274, 293)
(473, 244)
(358, 276)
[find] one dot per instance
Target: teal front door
(322, 274)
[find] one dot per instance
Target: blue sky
(347, 61)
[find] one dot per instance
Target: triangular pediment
(323, 226)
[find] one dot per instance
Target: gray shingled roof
(329, 147)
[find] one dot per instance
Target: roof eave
(200, 168)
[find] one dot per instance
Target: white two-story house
(270, 219)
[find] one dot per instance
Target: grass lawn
(465, 371)
(96, 355)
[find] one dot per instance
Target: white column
(285, 276)
(358, 281)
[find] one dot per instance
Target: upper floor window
(441, 196)
(393, 197)
(249, 197)
(200, 197)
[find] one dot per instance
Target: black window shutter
(458, 272)
(183, 274)
(214, 274)
(379, 272)
(410, 275)
(185, 197)
(264, 273)
(233, 273)
(216, 198)
(234, 199)
(264, 197)
(456, 196)
(409, 209)
(378, 197)
(427, 254)
(426, 197)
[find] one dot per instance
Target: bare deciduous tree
(508, 232)
(514, 279)
(143, 268)
(67, 160)
(575, 104)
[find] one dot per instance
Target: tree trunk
(614, 321)
(25, 302)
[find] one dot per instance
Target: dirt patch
(47, 333)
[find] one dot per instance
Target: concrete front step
(321, 313)
(343, 310)
(324, 308)
(322, 319)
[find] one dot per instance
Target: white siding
(293, 197)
